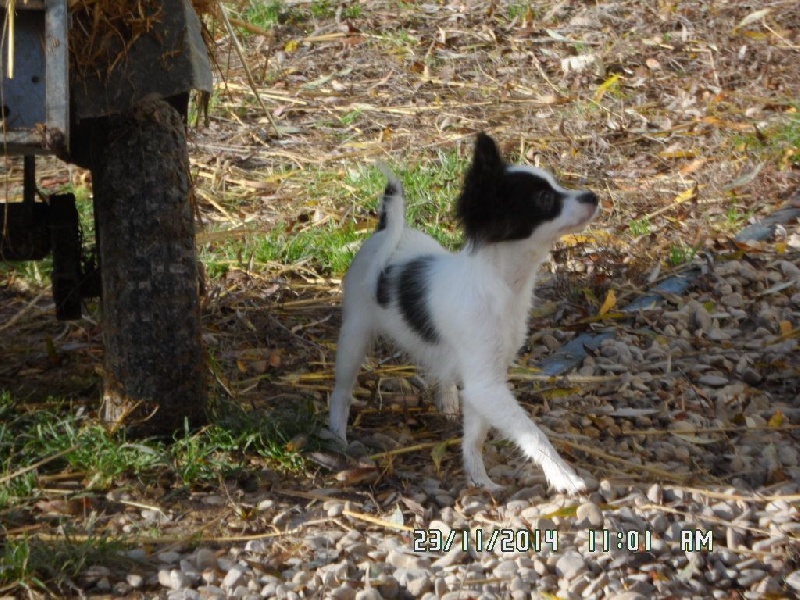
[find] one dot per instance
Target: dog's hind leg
(354, 338)
(446, 398)
(475, 430)
(495, 404)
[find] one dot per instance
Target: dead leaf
(786, 328)
(609, 303)
(776, 420)
(752, 18)
(437, 455)
(746, 178)
(605, 86)
(297, 443)
(358, 476)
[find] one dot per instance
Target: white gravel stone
(172, 578)
(591, 514)
(793, 580)
(234, 577)
(570, 565)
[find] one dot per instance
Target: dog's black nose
(587, 198)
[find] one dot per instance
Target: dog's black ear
(487, 156)
(476, 206)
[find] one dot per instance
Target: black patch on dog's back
(383, 291)
(412, 297)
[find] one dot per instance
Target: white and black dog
(463, 316)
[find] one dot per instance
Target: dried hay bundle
(103, 31)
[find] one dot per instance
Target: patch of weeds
(680, 254)
(264, 14)
(354, 11)
(778, 142)
(349, 118)
(327, 248)
(639, 227)
(29, 436)
(735, 217)
(53, 565)
(321, 9)
(787, 137)
(226, 448)
(400, 39)
(518, 10)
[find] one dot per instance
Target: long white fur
(479, 300)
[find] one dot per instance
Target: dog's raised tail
(391, 216)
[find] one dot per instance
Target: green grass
(264, 14)
(639, 227)
(779, 141)
(328, 247)
(56, 434)
(518, 10)
(680, 254)
(45, 567)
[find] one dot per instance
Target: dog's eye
(547, 200)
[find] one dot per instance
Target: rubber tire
(154, 361)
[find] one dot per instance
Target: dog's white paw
(568, 482)
(486, 484)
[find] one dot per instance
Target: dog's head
(501, 202)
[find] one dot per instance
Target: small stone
(419, 586)
(205, 559)
(389, 587)
(171, 578)
(103, 585)
(701, 319)
(750, 376)
(733, 300)
(570, 565)
(439, 587)
(591, 513)
(169, 557)
(716, 334)
(234, 577)
(134, 580)
(713, 380)
(370, 594)
(403, 560)
(335, 509)
(343, 592)
(748, 577)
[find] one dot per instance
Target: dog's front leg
(495, 404)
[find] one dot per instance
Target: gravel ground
(684, 423)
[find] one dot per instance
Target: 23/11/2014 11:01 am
(524, 540)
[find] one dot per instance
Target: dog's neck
(514, 263)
